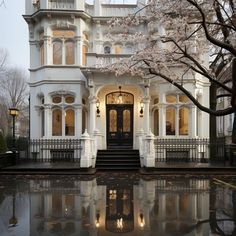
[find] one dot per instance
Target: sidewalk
(74, 168)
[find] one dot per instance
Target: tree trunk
(234, 130)
(213, 127)
(233, 99)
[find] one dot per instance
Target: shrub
(3, 145)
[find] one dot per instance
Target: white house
(69, 93)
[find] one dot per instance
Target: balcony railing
(61, 4)
(118, 9)
(103, 60)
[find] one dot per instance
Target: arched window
(118, 49)
(170, 121)
(70, 53)
(57, 122)
(57, 52)
(69, 122)
(107, 49)
(63, 115)
(128, 49)
(84, 55)
(183, 120)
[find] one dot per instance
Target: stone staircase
(118, 159)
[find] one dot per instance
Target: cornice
(55, 12)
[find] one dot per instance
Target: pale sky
(14, 33)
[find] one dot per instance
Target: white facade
(67, 44)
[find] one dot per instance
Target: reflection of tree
(213, 221)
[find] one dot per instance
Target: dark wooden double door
(119, 126)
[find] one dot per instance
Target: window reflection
(62, 205)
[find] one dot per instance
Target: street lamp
(14, 112)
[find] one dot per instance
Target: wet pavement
(117, 203)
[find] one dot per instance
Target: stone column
(146, 103)
(146, 116)
(78, 120)
(47, 121)
(92, 114)
(177, 121)
(162, 121)
(193, 121)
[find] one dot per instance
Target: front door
(119, 113)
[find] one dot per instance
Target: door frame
(120, 107)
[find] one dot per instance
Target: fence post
(86, 155)
(149, 152)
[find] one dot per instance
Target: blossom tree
(197, 36)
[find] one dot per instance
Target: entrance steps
(118, 159)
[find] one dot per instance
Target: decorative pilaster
(47, 53)
(78, 120)
(78, 54)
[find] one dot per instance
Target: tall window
(57, 122)
(183, 120)
(84, 55)
(42, 54)
(177, 114)
(70, 53)
(170, 121)
(57, 52)
(63, 47)
(69, 122)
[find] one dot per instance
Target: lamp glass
(13, 111)
(97, 103)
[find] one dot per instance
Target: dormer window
(107, 50)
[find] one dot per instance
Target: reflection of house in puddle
(140, 207)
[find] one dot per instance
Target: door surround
(119, 119)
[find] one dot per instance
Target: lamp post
(14, 112)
